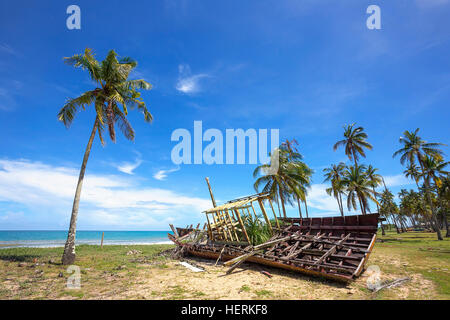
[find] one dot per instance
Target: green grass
(89, 256)
(263, 293)
(245, 288)
(423, 254)
(36, 273)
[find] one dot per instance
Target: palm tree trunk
(354, 159)
(378, 210)
(341, 204)
(444, 212)
(430, 202)
(278, 204)
(361, 206)
(306, 207)
(69, 249)
(282, 202)
(447, 234)
(299, 208)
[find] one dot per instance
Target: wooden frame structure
(226, 223)
(331, 247)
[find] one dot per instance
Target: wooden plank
(331, 250)
(174, 230)
(274, 214)
(242, 226)
(263, 210)
(211, 193)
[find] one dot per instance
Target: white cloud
(129, 167)
(106, 199)
(162, 174)
(318, 198)
(188, 83)
(397, 180)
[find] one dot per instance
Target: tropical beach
(149, 273)
(184, 157)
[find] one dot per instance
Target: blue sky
(303, 67)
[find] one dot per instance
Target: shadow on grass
(19, 258)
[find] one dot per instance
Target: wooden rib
(242, 226)
(263, 210)
(209, 228)
(274, 214)
(331, 250)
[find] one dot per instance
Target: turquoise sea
(40, 238)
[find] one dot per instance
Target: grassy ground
(140, 272)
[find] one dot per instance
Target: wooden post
(101, 244)
(274, 214)
(174, 230)
(210, 193)
(209, 227)
(242, 226)
(261, 204)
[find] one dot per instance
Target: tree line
(355, 185)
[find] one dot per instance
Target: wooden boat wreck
(333, 247)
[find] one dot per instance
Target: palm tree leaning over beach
(354, 142)
(415, 148)
(113, 89)
(335, 175)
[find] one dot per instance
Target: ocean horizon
(57, 238)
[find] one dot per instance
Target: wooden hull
(335, 248)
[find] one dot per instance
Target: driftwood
(220, 256)
(392, 284)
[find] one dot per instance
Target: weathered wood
(263, 210)
(174, 230)
(211, 193)
(274, 213)
(332, 250)
(242, 226)
(101, 244)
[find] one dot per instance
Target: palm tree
(274, 183)
(289, 182)
(414, 147)
(444, 195)
(354, 143)
(358, 186)
(389, 208)
(334, 174)
(432, 169)
(113, 89)
(412, 172)
(375, 180)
